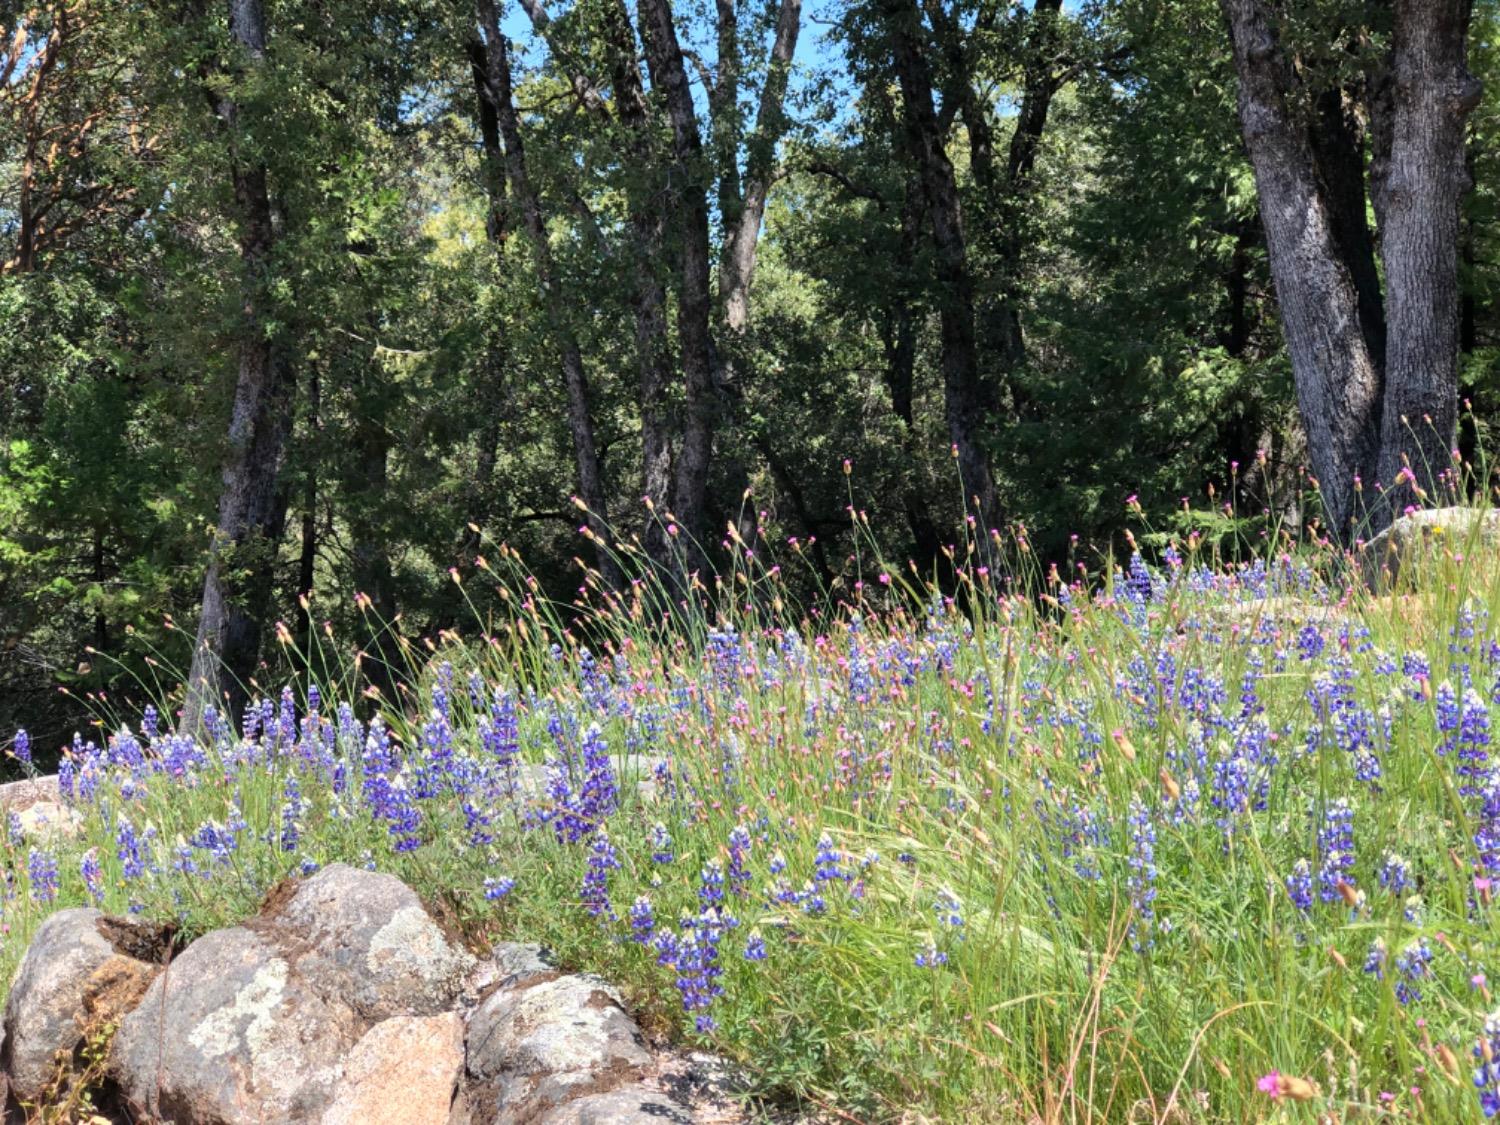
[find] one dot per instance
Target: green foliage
(907, 765)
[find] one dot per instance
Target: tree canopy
(302, 298)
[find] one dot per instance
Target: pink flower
(1270, 1084)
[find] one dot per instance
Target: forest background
(298, 294)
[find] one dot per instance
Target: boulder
(509, 963)
(533, 1048)
(343, 1001)
(17, 796)
(231, 1033)
(1422, 534)
(634, 1104)
(49, 820)
(405, 1071)
(366, 937)
(71, 979)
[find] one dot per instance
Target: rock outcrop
(343, 1001)
(79, 976)
(1389, 559)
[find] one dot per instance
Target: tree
(248, 528)
(1336, 113)
(72, 116)
(575, 378)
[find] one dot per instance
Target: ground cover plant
(1197, 842)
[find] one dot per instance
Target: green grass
(988, 749)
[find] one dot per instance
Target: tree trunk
(690, 197)
(1418, 189)
(1377, 380)
(966, 403)
(1339, 381)
(381, 661)
(575, 379)
(237, 587)
(899, 341)
(653, 352)
(737, 266)
(496, 355)
(308, 556)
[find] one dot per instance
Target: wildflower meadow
(1192, 841)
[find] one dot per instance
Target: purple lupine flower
(739, 851)
(1394, 874)
(642, 917)
(389, 801)
(949, 910)
(1471, 740)
(442, 691)
(1413, 965)
(497, 887)
(595, 890)
(826, 864)
(291, 815)
(695, 954)
(1487, 1068)
(41, 871)
(1142, 876)
(661, 844)
(811, 899)
(1375, 959)
(499, 735)
(1487, 830)
(477, 821)
(129, 850)
(930, 957)
(432, 774)
(379, 759)
(711, 884)
(1309, 643)
(1299, 886)
(93, 876)
(755, 948)
(577, 814)
(1449, 714)
(21, 747)
(1336, 849)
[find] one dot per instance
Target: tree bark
(688, 191)
(236, 589)
(1418, 189)
(899, 342)
(967, 405)
(1376, 375)
(575, 379)
(1339, 381)
(308, 556)
(737, 265)
(653, 352)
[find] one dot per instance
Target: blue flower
(93, 876)
(642, 918)
(1299, 885)
(1336, 849)
(930, 957)
(595, 890)
(41, 870)
(497, 887)
(1413, 965)
(661, 844)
